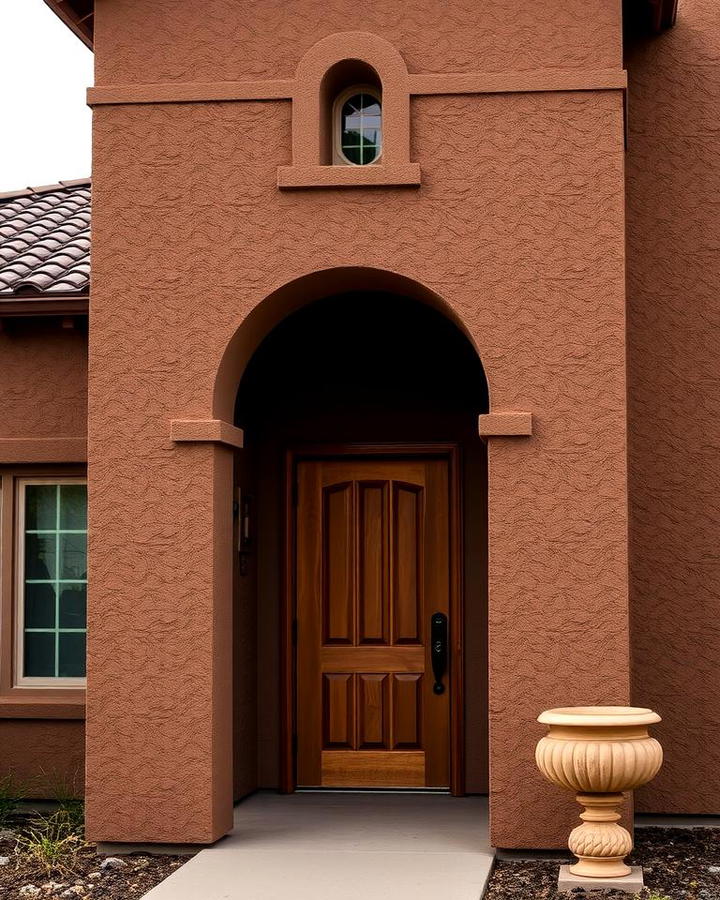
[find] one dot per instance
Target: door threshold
(347, 790)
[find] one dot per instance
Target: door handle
(439, 649)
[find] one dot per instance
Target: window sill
(395, 175)
(24, 703)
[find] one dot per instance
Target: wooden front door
(373, 566)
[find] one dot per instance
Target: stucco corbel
(505, 424)
(207, 431)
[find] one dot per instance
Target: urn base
(588, 867)
(630, 884)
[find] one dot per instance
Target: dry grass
(53, 842)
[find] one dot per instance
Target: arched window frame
(312, 165)
(339, 158)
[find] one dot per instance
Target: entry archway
(360, 367)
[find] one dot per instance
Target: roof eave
(31, 304)
(79, 24)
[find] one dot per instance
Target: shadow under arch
(308, 289)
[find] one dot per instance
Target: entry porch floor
(343, 846)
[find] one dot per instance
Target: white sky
(44, 121)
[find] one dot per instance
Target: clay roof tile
(45, 238)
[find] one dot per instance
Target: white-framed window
(51, 565)
(357, 126)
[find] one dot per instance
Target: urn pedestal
(598, 752)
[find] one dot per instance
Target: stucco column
(558, 600)
(159, 706)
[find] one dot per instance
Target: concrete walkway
(336, 846)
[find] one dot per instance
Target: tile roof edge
(31, 191)
(30, 293)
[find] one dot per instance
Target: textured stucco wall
(43, 394)
(518, 225)
(44, 757)
(43, 388)
(167, 40)
(673, 178)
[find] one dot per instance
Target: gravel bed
(89, 875)
(678, 863)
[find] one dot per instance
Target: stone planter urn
(599, 751)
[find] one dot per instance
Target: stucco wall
(43, 394)
(673, 172)
(169, 40)
(45, 758)
(518, 226)
(43, 388)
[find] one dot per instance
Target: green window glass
(361, 129)
(55, 580)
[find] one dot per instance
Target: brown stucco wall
(45, 758)
(179, 41)
(43, 395)
(673, 184)
(517, 226)
(43, 389)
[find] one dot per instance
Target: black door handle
(439, 649)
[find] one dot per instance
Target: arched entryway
(381, 384)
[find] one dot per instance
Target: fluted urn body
(599, 751)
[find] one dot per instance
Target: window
(359, 126)
(52, 582)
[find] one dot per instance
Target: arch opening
(354, 367)
(313, 287)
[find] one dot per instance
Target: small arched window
(358, 126)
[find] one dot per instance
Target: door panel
(372, 566)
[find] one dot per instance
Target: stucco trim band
(204, 431)
(505, 424)
(397, 175)
(518, 82)
(43, 450)
(33, 708)
(418, 85)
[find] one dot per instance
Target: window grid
(57, 581)
(368, 147)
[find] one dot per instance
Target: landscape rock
(112, 862)
(29, 890)
(4, 860)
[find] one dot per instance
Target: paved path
(335, 846)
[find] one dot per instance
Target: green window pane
(41, 507)
(55, 586)
(71, 662)
(371, 136)
(40, 606)
(40, 557)
(73, 604)
(39, 654)
(73, 507)
(73, 556)
(354, 154)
